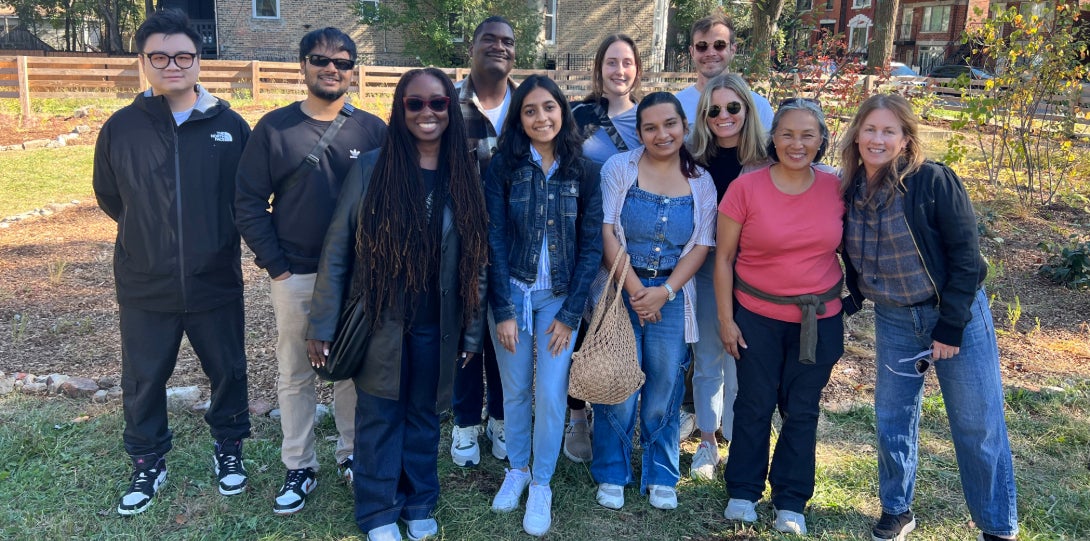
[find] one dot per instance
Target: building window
(1032, 9)
(906, 23)
(860, 4)
(550, 21)
(804, 5)
(266, 9)
(457, 31)
(935, 19)
(369, 10)
(858, 40)
(828, 5)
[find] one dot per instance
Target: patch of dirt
(14, 130)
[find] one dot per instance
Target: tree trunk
(880, 49)
(765, 15)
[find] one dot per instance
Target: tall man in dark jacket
(288, 240)
(164, 170)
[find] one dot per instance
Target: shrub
(1068, 265)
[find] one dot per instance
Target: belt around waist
(651, 273)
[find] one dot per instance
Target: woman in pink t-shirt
(778, 233)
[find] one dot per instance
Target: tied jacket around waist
(523, 206)
(171, 190)
(380, 374)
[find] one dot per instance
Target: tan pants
(295, 383)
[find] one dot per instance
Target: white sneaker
(539, 511)
(463, 447)
(421, 529)
(389, 532)
(662, 497)
(743, 510)
(790, 522)
(687, 425)
(494, 431)
(610, 496)
(514, 484)
(705, 459)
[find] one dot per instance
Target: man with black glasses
(164, 170)
(712, 49)
(299, 155)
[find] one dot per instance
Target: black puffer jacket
(171, 190)
(381, 371)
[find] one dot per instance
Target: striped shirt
(482, 136)
(544, 279)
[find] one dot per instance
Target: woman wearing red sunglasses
(409, 238)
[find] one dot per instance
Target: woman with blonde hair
(728, 139)
(911, 246)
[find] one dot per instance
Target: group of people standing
(477, 227)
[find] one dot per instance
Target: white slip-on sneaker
(743, 510)
(514, 484)
(610, 496)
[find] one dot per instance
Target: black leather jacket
(381, 371)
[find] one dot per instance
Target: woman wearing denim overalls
(660, 208)
(545, 210)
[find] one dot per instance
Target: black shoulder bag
(314, 156)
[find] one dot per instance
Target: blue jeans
(397, 441)
(546, 395)
(973, 394)
(664, 358)
(715, 376)
(478, 380)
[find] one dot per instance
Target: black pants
(149, 352)
(770, 376)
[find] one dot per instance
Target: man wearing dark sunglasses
(287, 242)
(164, 170)
(484, 97)
(712, 50)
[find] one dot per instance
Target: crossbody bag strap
(607, 125)
(314, 156)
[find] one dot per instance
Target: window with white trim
(935, 19)
(804, 5)
(857, 40)
(550, 21)
(860, 4)
(906, 23)
(266, 9)
(369, 9)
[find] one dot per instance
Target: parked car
(953, 71)
(905, 79)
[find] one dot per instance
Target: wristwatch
(670, 294)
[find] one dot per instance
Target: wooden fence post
(141, 79)
(24, 87)
(361, 81)
(255, 80)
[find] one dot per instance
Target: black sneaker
(893, 527)
(149, 473)
(227, 461)
(345, 469)
(293, 495)
(989, 537)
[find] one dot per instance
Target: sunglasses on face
(320, 61)
(162, 60)
(438, 104)
(920, 363)
(702, 46)
(733, 108)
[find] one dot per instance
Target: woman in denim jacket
(545, 214)
(660, 208)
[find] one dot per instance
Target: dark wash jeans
(479, 376)
(397, 441)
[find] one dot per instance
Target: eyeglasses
(162, 60)
(438, 104)
(702, 46)
(800, 102)
(320, 61)
(733, 108)
(921, 362)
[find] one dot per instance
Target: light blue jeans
(664, 358)
(973, 394)
(715, 376)
(527, 400)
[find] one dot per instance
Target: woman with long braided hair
(409, 239)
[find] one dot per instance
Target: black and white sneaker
(293, 495)
(227, 461)
(149, 473)
(893, 527)
(345, 469)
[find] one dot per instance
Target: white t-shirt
(497, 115)
(181, 116)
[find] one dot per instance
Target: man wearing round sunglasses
(164, 170)
(287, 242)
(712, 50)
(484, 97)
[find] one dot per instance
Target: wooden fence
(24, 77)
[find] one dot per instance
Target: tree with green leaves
(441, 29)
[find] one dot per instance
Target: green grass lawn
(62, 468)
(31, 179)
